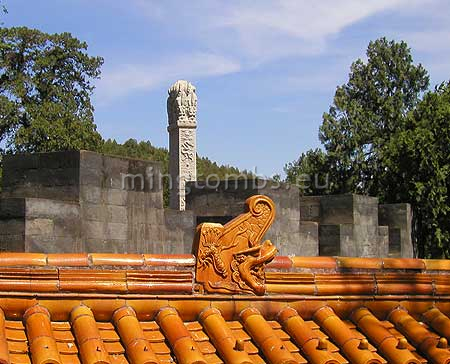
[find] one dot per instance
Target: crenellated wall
(89, 202)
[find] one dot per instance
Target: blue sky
(265, 71)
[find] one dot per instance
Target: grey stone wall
(84, 201)
(289, 234)
(398, 218)
(52, 226)
(88, 202)
(348, 225)
(42, 175)
(12, 224)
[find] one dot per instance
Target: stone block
(12, 226)
(20, 161)
(310, 208)
(91, 160)
(336, 209)
(365, 233)
(64, 159)
(144, 200)
(67, 228)
(365, 210)
(93, 194)
(93, 212)
(105, 246)
(291, 225)
(195, 201)
(93, 177)
(329, 240)
(117, 214)
(156, 200)
(398, 217)
(37, 244)
(395, 242)
(46, 208)
(12, 242)
(11, 178)
(40, 227)
(95, 230)
(116, 231)
(175, 219)
(154, 246)
(383, 241)
(311, 230)
(54, 177)
(20, 191)
(70, 193)
(27, 177)
(116, 197)
(155, 217)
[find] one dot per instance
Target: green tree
(384, 136)
(418, 164)
(310, 173)
(46, 81)
(365, 113)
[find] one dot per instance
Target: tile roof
(90, 333)
(114, 308)
(232, 302)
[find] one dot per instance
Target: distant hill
(145, 150)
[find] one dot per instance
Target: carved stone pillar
(182, 112)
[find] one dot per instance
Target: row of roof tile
(95, 260)
(345, 263)
(120, 273)
(173, 281)
(188, 260)
(379, 283)
(251, 337)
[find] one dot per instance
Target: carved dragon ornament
(231, 257)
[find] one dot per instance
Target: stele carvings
(182, 114)
(231, 257)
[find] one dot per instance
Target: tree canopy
(418, 164)
(309, 173)
(46, 81)
(385, 135)
(366, 111)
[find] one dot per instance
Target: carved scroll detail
(182, 103)
(230, 258)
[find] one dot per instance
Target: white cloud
(264, 30)
(119, 81)
(227, 36)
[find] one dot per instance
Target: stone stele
(182, 115)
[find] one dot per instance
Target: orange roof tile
(257, 336)
(233, 302)
(111, 311)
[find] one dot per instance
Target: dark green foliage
(309, 173)
(213, 171)
(381, 138)
(45, 89)
(366, 111)
(142, 150)
(418, 161)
